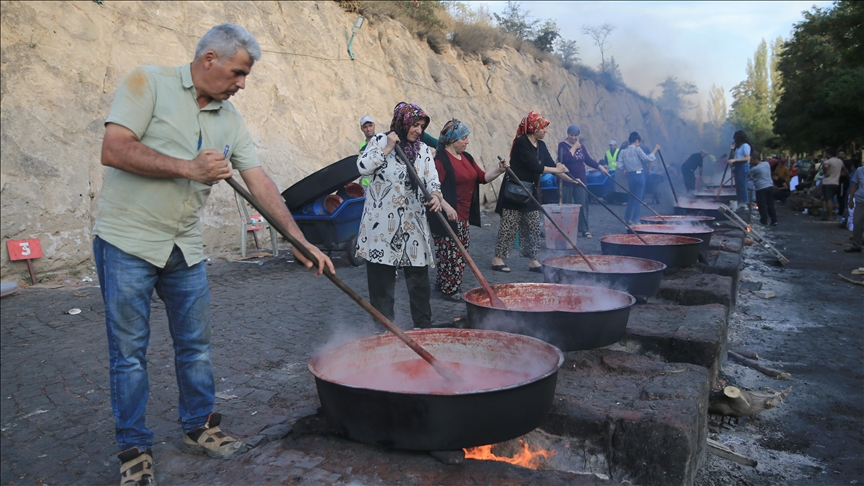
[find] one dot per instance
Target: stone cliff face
(62, 62)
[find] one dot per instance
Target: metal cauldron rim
(536, 284)
(639, 243)
(390, 337)
(662, 267)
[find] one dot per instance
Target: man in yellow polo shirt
(169, 136)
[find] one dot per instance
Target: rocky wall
(62, 62)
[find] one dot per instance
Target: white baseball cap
(613, 142)
(366, 119)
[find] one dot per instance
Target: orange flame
(525, 457)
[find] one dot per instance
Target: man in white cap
(367, 126)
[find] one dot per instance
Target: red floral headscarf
(530, 124)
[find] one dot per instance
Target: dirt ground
(813, 330)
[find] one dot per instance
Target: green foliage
(425, 13)
(424, 19)
(568, 51)
(464, 13)
(516, 21)
(610, 75)
(546, 35)
(822, 67)
(476, 38)
(752, 103)
(674, 92)
(716, 106)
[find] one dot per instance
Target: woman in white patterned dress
(394, 232)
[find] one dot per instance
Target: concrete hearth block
(729, 230)
(648, 418)
(679, 334)
(695, 288)
(725, 242)
(724, 263)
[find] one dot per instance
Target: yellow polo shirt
(146, 216)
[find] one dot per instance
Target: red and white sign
(24, 249)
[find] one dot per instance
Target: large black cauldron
(674, 251)
(636, 276)
(572, 317)
(438, 420)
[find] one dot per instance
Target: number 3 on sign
(24, 249)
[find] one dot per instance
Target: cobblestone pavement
(268, 320)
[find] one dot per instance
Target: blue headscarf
(453, 130)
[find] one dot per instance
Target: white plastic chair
(251, 223)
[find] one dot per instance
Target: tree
(716, 106)
(598, 34)
(822, 98)
(546, 35)
(610, 74)
(774, 73)
(462, 12)
(568, 51)
(674, 92)
(751, 105)
(516, 21)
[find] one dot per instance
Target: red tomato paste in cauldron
(418, 376)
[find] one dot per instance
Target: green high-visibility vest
(612, 159)
(364, 180)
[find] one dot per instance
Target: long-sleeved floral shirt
(393, 228)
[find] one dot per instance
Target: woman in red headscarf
(529, 158)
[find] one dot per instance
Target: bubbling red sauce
(418, 376)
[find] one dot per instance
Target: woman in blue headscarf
(460, 178)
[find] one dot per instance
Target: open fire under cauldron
(376, 390)
(636, 276)
(674, 251)
(571, 317)
(700, 231)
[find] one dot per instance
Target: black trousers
(689, 177)
(765, 201)
(382, 285)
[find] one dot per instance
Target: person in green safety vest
(611, 159)
(367, 126)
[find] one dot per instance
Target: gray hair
(225, 39)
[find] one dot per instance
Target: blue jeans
(636, 182)
(127, 282)
(740, 170)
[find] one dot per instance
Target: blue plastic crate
(332, 230)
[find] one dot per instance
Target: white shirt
(393, 228)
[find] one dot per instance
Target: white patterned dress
(393, 228)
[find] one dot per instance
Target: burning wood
(525, 457)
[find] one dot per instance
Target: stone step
(645, 417)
